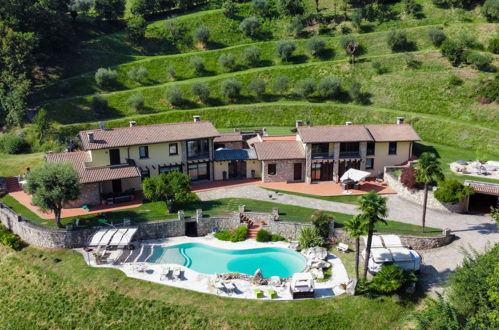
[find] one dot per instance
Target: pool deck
(205, 283)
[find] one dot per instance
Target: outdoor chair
(258, 293)
(220, 286)
(271, 293)
(231, 288)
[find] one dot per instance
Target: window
(144, 173)
(167, 169)
(392, 148)
(370, 148)
(349, 149)
(320, 149)
(199, 171)
(198, 149)
(369, 163)
(173, 149)
(144, 152)
(272, 169)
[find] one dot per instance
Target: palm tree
(427, 170)
(356, 228)
(373, 210)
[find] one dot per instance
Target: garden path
(472, 231)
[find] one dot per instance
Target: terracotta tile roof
(280, 150)
(487, 188)
(334, 133)
(93, 174)
(358, 133)
(229, 137)
(149, 134)
(279, 138)
(393, 132)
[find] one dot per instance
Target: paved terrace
(472, 231)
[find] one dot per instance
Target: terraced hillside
(418, 83)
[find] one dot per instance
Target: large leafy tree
(52, 185)
(373, 211)
(427, 170)
(110, 9)
(169, 188)
(356, 227)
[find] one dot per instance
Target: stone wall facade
(90, 195)
(287, 229)
(284, 170)
(414, 242)
(417, 196)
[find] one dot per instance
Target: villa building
(116, 160)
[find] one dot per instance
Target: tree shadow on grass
(216, 45)
(326, 54)
(297, 59)
(419, 148)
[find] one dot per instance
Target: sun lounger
(166, 274)
(177, 274)
(231, 288)
(258, 293)
(342, 247)
(271, 293)
(220, 286)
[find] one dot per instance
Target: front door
(232, 169)
(117, 186)
(114, 157)
(297, 172)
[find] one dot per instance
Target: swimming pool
(212, 260)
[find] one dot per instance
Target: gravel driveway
(472, 231)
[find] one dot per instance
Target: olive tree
(230, 89)
(200, 90)
(251, 56)
(250, 26)
(285, 49)
(281, 85)
(315, 45)
(330, 87)
(174, 96)
(196, 63)
(202, 34)
(173, 187)
(227, 62)
(436, 36)
(305, 87)
(52, 185)
(257, 87)
(136, 101)
(105, 78)
(138, 74)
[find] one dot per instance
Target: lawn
(56, 289)
(12, 165)
(339, 199)
(157, 212)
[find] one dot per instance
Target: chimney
(400, 120)
(196, 118)
(90, 137)
(102, 125)
(348, 123)
(299, 123)
(264, 131)
(133, 123)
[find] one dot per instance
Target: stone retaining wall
(415, 242)
(417, 196)
(287, 229)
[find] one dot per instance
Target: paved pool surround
(205, 283)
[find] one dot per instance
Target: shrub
(138, 74)
(230, 89)
(489, 88)
(315, 45)
(240, 234)
(494, 45)
(223, 235)
(200, 90)
(490, 10)
(305, 87)
(173, 31)
(309, 237)
(136, 28)
(295, 27)
(174, 96)
(257, 87)
(227, 62)
(263, 236)
(344, 28)
(321, 220)
(290, 7)
(436, 36)
(281, 84)
(437, 314)
(356, 93)
(99, 104)
(229, 8)
(105, 78)
(251, 56)
(378, 67)
(330, 87)
(397, 40)
(260, 7)
(455, 81)
(136, 101)
(196, 63)
(478, 60)
(9, 239)
(285, 49)
(411, 62)
(451, 191)
(250, 26)
(11, 143)
(408, 177)
(453, 50)
(277, 238)
(202, 34)
(391, 278)
(171, 72)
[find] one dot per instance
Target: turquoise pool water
(212, 260)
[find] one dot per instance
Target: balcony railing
(350, 154)
(322, 155)
(199, 156)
